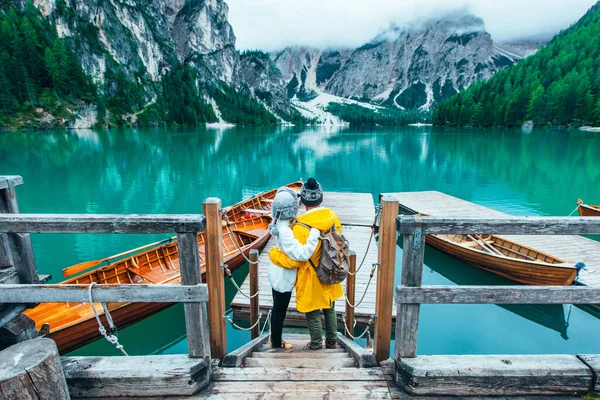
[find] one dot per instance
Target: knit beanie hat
(311, 194)
(284, 206)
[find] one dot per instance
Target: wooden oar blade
(75, 269)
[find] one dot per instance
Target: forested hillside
(558, 86)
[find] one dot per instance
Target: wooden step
(283, 354)
(300, 362)
(267, 349)
(314, 390)
(298, 374)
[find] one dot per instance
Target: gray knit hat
(285, 206)
(311, 194)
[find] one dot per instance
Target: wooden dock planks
(569, 248)
(352, 209)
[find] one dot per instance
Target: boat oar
(75, 269)
(485, 246)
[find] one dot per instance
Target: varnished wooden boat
(586, 210)
(73, 325)
(506, 258)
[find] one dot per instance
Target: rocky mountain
(413, 67)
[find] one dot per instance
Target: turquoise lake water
(173, 171)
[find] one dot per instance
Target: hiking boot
(331, 344)
(284, 345)
(308, 347)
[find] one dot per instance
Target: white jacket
(283, 279)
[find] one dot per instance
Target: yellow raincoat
(311, 293)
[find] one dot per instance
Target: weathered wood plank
(351, 296)
(100, 223)
(501, 225)
(384, 295)
(489, 375)
(141, 376)
(20, 293)
(364, 358)
(593, 362)
(237, 357)
(5, 256)
(32, 370)
(196, 317)
(22, 256)
(304, 362)
(298, 374)
(498, 295)
(11, 311)
(213, 252)
(285, 354)
(407, 321)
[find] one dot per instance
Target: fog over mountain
(275, 24)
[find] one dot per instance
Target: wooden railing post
(196, 321)
(407, 320)
(15, 248)
(384, 298)
(254, 305)
(351, 295)
(213, 245)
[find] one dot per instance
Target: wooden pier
(568, 247)
(356, 212)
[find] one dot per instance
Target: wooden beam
(135, 376)
(407, 315)
(364, 358)
(593, 363)
(5, 255)
(384, 296)
(350, 296)
(213, 251)
(7, 180)
(236, 358)
(254, 301)
(498, 295)
(26, 294)
(196, 320)
(501, 225)
(494, 375)
(101, 223)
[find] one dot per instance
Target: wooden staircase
(255, 371)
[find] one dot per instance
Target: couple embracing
(295, 261)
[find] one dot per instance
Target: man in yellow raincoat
(312, 295)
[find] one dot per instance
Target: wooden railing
(410, 294)
(191, 292)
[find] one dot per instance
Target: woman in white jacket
(285, 209)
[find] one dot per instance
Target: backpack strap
(309, 228)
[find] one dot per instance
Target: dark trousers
(281, 301)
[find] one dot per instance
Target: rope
(233, 237)
(228, 318)
(364, 332)
(228, 272)
(573, 212)
(373, 228)
(112, 328)
(366, 289)
(265, 325)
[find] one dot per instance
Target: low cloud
(274, 24)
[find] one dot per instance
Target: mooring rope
(373, 268)
(110, 337)
(268, 321)
(230, 320)
(223, 211)
(371, 320)
(572, 212)
(228, 273)
(373, 229)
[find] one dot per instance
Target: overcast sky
(274, 24)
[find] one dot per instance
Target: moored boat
(586, 210)
(506, 258)
(73, 325)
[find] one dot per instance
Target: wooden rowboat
(506, 258)
(73, 325)
(586, 210)
(258, 205)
